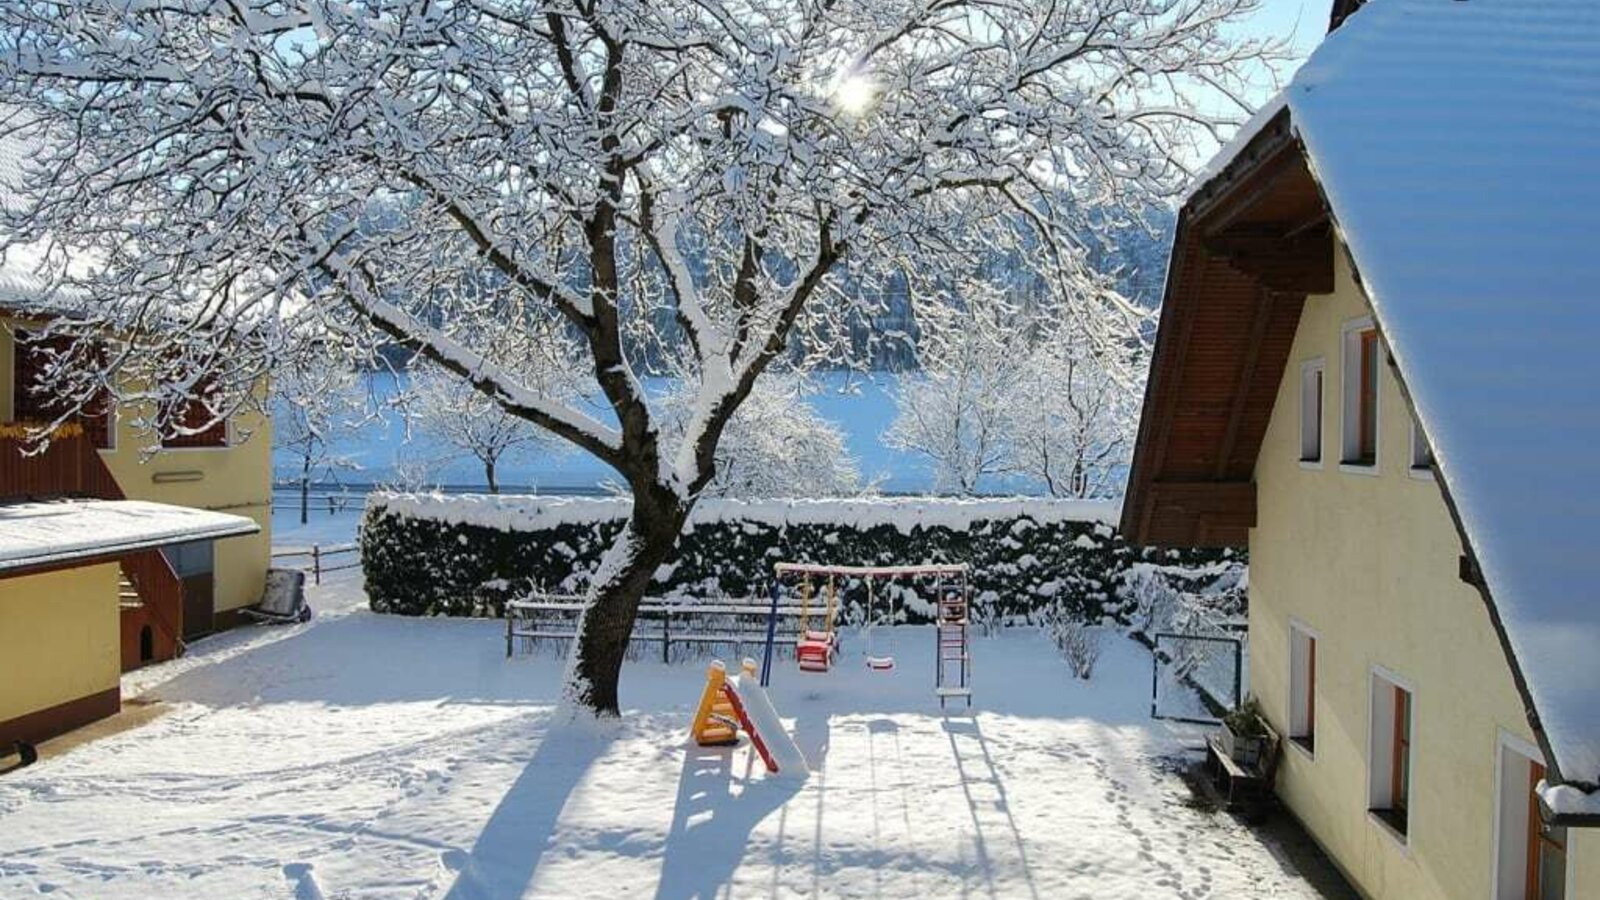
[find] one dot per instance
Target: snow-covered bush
(435, 555)
(1080, 643)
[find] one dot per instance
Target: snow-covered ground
(370, 756)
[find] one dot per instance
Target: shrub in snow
(468, 555)
(1080, 642)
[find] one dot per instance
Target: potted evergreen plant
(1244, 737)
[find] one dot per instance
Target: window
(1311, 412)
(1361, 357)
(1547, 847)
(1531, 861)
(1421, 453)
(193, 558)
(1390, 766)
(35, 355)
(195, 417)
(1302, 687)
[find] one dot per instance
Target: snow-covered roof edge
(64, 532)
(1364, 94)
(513, 513)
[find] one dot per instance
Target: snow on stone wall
(465, 555)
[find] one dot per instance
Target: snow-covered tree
(1010, 388)
(447, 410)
(959, 412)
(1077, 415)
(231, 176)
(319, 405)
(777, 445)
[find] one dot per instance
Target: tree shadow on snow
(712, 822)
(505, 857)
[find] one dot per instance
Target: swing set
(817, 648)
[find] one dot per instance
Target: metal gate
(1195, 677)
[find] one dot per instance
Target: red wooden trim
(1367, 402)
(1311, 687)
(195, 414)
(1399, 779)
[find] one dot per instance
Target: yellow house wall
(1370, 563)
(235, 479)
(59, 638)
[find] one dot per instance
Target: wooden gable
(1249, 247)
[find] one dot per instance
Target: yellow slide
(716, 722)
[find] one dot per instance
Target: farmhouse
(110, 555)
(1375, 367)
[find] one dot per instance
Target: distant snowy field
(368, 756)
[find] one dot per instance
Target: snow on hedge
(905, 514)
(1029, 558)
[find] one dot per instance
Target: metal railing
(697, 625)
(317, 556)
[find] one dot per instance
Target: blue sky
(1303, 22)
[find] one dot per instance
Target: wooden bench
(1245, 789)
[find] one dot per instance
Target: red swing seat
(815, 651)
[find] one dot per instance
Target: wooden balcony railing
(68, 467)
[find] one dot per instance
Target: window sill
(1393, 824)
(1311, 464)
(1306, 744)
(1421, 473)
(1368, 469)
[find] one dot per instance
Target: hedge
(464, 555)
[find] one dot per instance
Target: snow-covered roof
(51, 533)
(1457, 144)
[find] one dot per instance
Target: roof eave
(110, 552)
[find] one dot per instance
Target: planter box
(1246, 751)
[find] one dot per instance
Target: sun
(855, 94)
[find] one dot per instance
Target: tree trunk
(488, 474)
(595, 663)
(305, 492)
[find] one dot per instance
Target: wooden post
(666, 635)
(316, 564)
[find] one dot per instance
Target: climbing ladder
(953, 669)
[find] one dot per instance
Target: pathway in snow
(372, 756)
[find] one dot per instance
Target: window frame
(1537, 839)
(1422, 465)
(1384, 773)
(1305, 740)
(1357, 381)
(1314, 367)
(1507, 746)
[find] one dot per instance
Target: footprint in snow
(303, 881)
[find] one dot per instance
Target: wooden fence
(317, 559)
